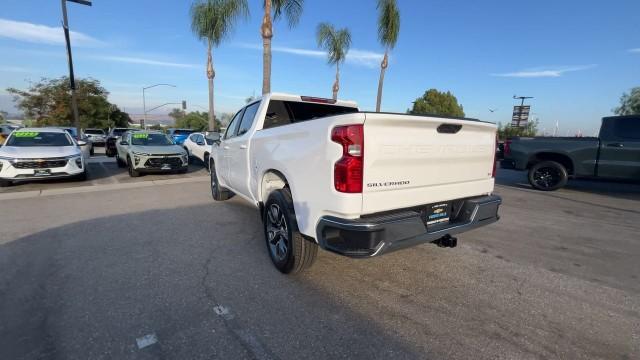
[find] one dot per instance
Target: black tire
(110, 153)
(83, 176)
(5, 183)
(91, 152)
(294, 253)
(548, 176)
(120, 162)
(132, 172)
(206, 161)
(218, 192)
(183, 171)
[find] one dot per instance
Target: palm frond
(388, 22)
(213, 20)
(291, 9)
(335, 42)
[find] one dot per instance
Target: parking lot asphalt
(163, 272)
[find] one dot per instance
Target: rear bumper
(376, 235)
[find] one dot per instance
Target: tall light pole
(521, 105)
(72, 80)
(144, 102)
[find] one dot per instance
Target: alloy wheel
(277, 233)
(546, 177)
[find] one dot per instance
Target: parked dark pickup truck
(550, 161)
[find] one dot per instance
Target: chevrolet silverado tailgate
(415, 160)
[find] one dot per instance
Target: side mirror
(82, 143)
(124, 142)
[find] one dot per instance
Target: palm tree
(292, 10)
(388, 29)
(336, 43)
(212, 21)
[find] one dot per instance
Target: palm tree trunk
(336, 84)
(210, 75)
(383, 68)
(267, 33)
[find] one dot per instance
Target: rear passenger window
(247, 118)
(286, 112)
(627, 128)
(277, 114)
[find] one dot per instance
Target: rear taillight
(348, 171)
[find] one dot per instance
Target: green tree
(176, 114)
(212, 21)
(195, 120)
(434, 102)
(629, 103)
(507, 131)
(336, 43)
(388, 30)
(292, 10)
(48, 102)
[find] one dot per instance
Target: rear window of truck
(286, 112)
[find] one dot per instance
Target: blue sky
(575, 57)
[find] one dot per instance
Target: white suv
(41, 153)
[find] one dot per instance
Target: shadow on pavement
(89, 289)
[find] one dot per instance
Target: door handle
(243, 146)
(226, 147)
(618, 145)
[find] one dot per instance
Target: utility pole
(72, 80)
(521, 105)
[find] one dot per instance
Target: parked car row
(57, 152)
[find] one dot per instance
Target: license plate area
(41, 172)
(436, 214)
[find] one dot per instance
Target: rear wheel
(5, 183)
(132, 172)
(91, 152)
(548, 176)
(290, 252)
(218, 192)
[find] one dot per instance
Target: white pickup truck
(355, 183)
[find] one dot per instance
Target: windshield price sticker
(26, 134)
(140, 136)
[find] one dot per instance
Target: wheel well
(547, 156)
(272, 180)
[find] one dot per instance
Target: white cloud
(36, 33)
(636, 50)
(354, 56)
(144, 61)
(14, 69)
(545, 72)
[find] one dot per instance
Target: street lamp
(72, 80)
(144, 102)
